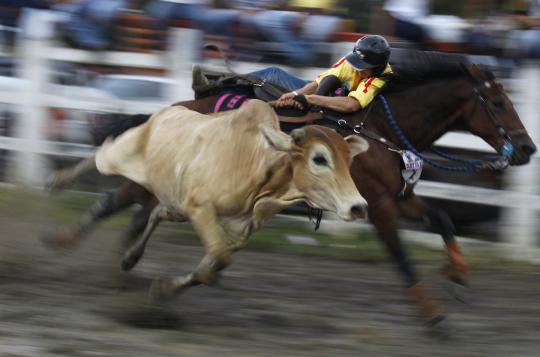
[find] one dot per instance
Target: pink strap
(220, 101)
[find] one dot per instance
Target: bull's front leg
(217, 255)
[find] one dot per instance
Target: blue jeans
(89, 22)
(164, 11)
(525, 42)
(277, 26)
(279, 77)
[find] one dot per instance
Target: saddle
(221, 81)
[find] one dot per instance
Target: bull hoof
(161, 290)
(131, 258)
(440, 328)
(459, 290)
(206, 275)
(64, 238)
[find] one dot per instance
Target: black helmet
(370, 51)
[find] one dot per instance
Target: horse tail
(112, 125)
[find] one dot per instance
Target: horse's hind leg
(65, 178)
(108, 205)
(414, 208)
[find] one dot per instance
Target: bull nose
(358, 211)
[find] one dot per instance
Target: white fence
(520, 199)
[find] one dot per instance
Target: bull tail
(112, 125)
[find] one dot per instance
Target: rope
(471, 166)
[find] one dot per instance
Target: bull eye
(320, 160)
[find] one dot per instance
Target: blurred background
(64, 64)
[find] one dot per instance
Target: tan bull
(229, 175)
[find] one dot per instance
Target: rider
(360, 71)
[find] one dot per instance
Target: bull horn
(298, 135)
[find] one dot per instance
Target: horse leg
(65, 178)
(140, 218)
(384, 216)
(414, 208)
(217, 256)
(109, 204)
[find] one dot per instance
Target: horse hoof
(459, 290)
(440, 327)
(161, 291)
(129, 261)
(54, 184)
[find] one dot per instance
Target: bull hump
(257, 112)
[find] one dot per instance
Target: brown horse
(436, 95)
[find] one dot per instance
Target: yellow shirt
(363, 90)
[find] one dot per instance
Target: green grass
(360, 246)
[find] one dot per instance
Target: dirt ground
(78, 303)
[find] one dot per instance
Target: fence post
(32, 43)
(520, 225)
(182, 52)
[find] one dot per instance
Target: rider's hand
(289, 103)
(285, 97)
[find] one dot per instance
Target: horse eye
(498, 104)
(320, 160)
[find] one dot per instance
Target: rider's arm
(356, 100)
(340, 104)
(309, 88)
(367, 90)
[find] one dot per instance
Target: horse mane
(412, 67)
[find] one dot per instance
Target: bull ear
(357, 144)
(299, 136)
(277, 139)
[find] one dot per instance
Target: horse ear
(466, 67)
(277, 139)
(357, 144)
(470, 69)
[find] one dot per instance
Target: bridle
(479, 90)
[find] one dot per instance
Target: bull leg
(136, 251)
(439, 222)
(65, 178)
(109, 204)
(384, 215)
(217, 256)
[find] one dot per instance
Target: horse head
(493, 117)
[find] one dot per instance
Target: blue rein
(470, 166)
